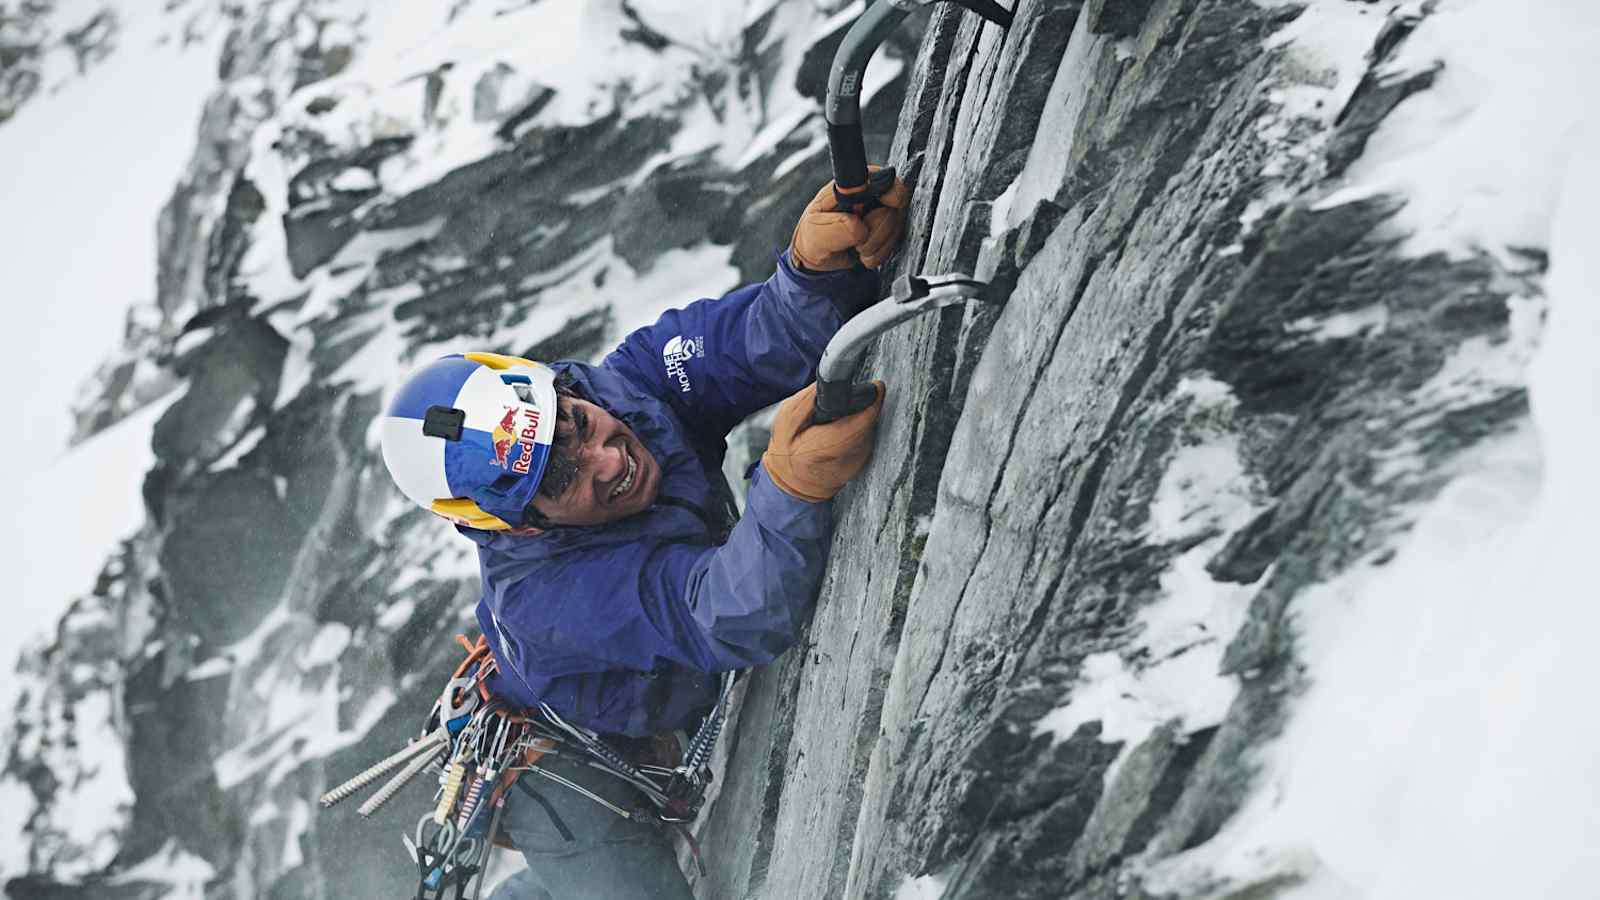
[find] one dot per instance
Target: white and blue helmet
(468, 437)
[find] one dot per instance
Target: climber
(617, 577)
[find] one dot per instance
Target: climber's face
(599, 472)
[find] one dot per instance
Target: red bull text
(506, 433)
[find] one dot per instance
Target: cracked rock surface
(1166, 330)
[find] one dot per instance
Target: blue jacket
(620, 627)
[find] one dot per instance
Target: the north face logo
(678, 351)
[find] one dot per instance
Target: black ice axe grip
(842, 108)
(867, 199)
(837, 399)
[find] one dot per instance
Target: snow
(846, 15)
(925, 887)
(1446, 744)
(1481, 158)
(299, 823)
(1000, 212)
(1170, 671)
(768, 138)
(799, 158)
(296, 700)
(94, 797)
(16, 803)
(240, 447)
(298, 721)
(1373, 318)
(330, 641)
(79, 247)
(102, 476)
(676, 278)
(191, 339)
(101, 797)
(215, 667)
(572, 48)
(396, 614)
(354, 179)
(183, 873)
(1330, 43)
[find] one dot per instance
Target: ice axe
(857, 191)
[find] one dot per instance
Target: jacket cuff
(849, 290)
(776, 508)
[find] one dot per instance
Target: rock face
(1056, 625)
(1205, 370)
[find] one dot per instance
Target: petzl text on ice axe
(858, 192)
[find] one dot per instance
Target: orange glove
(813, 462)
(824, 236)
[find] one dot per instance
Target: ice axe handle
(837, 399)
(867, 195)
(848, 150)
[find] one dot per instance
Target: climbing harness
(480, 748)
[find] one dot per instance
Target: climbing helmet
(468, 437)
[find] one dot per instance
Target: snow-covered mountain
(1237, 553)
(372, 185)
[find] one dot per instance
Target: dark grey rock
(1118, 18)
(1376, 96)
(1046, 426)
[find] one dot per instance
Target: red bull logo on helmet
(519, 425)
(503, 436)
(526, 439)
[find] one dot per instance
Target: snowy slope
(1478, 777)
(84, 182)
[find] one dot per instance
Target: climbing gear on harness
(811, 461)
(433, 741)
(859, 190)
(481, 748)
(468, 437)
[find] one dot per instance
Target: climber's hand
(825, 235)
(813, 462)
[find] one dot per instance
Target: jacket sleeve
(717, 361)
(603, 650)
